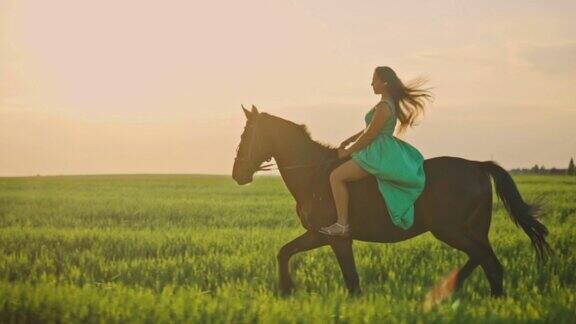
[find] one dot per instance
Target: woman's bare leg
(347, 171)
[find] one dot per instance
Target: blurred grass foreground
(199, 248)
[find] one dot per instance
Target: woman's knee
(335, 176)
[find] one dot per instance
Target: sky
(123, 86)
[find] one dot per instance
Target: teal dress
(397, 166)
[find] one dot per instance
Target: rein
(297, 166)
(254, 141)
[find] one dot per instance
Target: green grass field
(171, 248)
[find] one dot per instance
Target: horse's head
(254, 148)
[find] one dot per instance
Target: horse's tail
(522, 214)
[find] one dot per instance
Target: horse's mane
(300, 127)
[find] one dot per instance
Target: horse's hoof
(355, 292)
(286, 291)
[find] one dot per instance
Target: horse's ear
(254, 110)
(246, 112)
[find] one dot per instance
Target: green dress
(397, 166)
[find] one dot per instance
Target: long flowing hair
(408, 99)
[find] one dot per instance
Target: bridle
(255, 141)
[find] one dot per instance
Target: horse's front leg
(342, 247)
(307, 241)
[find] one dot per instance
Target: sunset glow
(156, 86)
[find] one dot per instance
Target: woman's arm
(350, 139)
(381, 114)
(355, 136)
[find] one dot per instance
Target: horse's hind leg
(457, 242)
(493, 269)
(471, 237)
(480, 253)
(464, 272)
(307, 241)
(478, 232)
(342, 247)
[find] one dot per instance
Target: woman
(397, 165)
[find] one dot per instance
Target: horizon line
(166, 174)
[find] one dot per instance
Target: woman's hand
(345, 143)
(342, 152)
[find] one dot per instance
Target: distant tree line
(542, 170)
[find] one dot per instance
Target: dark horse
(456, 204)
